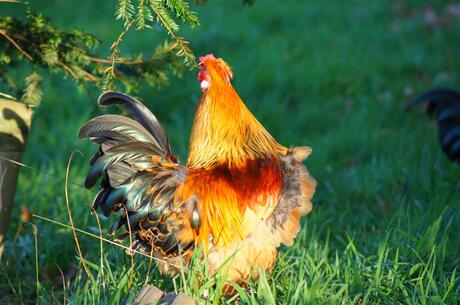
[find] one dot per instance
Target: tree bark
(15, 119)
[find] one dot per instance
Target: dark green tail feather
(140, 113)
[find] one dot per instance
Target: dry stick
(68, 69)
(71, 220)
(64, 301)
(37, 278)
(114, 47)
(163, 22)
(118, 61)
(11, 40)
(104, 239)
(102, 246)
(10, 97)
(88, 75)
(150, 265)
(131, 276)
(41, 171)
(85, 54)
(9, 283)
(16, 236)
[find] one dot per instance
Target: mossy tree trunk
(15, 119)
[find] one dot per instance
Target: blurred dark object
(153, 295)
(445, 103)
(15, 121)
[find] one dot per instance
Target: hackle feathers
(224, 131)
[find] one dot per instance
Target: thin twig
(88, 75)
(25, 217)
(37, 278)
(68, 69)
(150, 266)
(101, 246)
(64, 301)
(10, 97)
(82, 260)
(122, 34)
(88, 56)
(131, 276)
(40, 171)
(10, 284)
(114, 46)
(170, 31)
(118, 61)
(60, 63)
(4, 34)
(16, 236)
(104, 239)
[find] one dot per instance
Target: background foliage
(36, 42)
(334, 75)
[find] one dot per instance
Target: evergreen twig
(40, 43)
(4, 34)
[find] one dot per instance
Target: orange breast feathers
(224, 194)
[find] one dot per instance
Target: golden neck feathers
(224, 131)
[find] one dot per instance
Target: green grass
(334, 75)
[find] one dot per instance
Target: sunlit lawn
(334, 75)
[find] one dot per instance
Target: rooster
(240, 195)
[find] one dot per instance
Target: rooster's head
(213, 70)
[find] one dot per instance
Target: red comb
(206, 58)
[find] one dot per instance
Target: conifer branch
(4, 34)
(33, 91)
(37, 41)
(171, 27)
